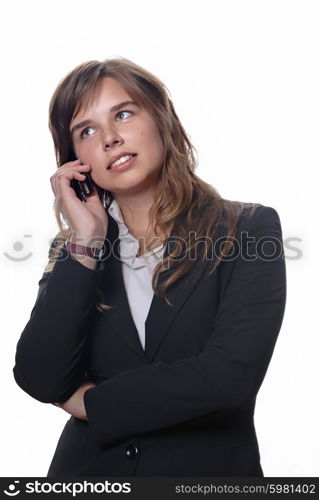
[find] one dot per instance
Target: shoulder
(257, 218)
(260, 226)
(257, 235)
(249, 215)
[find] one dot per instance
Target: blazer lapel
(160, 315)
(114, 293)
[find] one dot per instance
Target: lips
(117, 157)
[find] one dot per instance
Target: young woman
(160, 306)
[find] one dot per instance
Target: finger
(73, 162)
(69, 172)
(63, 175)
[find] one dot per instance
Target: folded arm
(48, 362)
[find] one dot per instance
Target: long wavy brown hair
(186, 205)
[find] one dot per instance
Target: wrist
(94, 252)
(88, 239)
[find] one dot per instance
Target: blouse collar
(129, 245)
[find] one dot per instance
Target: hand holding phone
(83, 188)
(84, 219)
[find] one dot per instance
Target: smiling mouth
(119, 164)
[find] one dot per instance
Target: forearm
(75, 404)
(50, 350)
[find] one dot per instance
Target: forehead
(106, 93)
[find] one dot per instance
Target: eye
(82, 134)
(123, 112)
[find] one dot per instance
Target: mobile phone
(83, 188)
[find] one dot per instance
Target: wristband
(95, 253)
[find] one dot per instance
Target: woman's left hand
(75, 404)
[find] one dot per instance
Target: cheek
(85, 150)
(152, 138)
(78, 149)
(158, 146)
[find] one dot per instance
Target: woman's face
(111, 129)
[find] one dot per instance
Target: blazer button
(131, 451)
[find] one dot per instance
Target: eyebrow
(114, 108)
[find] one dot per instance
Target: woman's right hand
(86, 220)
(75, 404)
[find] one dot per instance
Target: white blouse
(137, 271)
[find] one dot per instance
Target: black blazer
(185, 405)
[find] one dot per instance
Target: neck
(135, 211)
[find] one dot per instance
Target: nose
(110, 138)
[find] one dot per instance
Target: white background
(243, 76)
